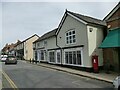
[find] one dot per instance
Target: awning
(112, 39)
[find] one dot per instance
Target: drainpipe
(60, 50)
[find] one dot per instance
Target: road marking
(10, 81)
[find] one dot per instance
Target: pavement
(102, 75)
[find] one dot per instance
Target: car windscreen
(11, 57)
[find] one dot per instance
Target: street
(26, 75)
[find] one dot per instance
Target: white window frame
(49, 56)
(71, 30)
(39, 55)
(74, 49)
(58, 51)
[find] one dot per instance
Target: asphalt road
(26, 75)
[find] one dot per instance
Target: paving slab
(103, 76)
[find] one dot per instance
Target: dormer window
(70, 37)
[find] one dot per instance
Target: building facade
(73, 43)
(45, 46)
(111, 44)
(24, 50)
(79, 36)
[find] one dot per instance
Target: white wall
(94, 40)
(28, 48)
(51, 44)
(81, 37)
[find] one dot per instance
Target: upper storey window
(70, 37)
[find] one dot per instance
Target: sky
(21, 19)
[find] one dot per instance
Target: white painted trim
(48, 57)
(71, 16)
(61, 22)
(75, 37)
(77, 18)
(39, 55)
(82, 56)
(74, 49)
(56, 57)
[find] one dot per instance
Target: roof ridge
(46, 35)
(88, 19)
(50, 31)
(85, 15)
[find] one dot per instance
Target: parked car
(116, 82)
(11, 60)
(3, 58)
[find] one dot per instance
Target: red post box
(95, 63)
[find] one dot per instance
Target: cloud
(22, 19)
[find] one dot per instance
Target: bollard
(30, 60)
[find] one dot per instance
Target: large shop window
(73, 57)
(70, 37)
(52, 56)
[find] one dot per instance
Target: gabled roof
(9, 47)
(47, 35)
(88, 19)
(112, 12)
(18, 42)
(28, 38)
(82, 18)
(31, 37)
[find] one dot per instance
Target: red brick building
(9, 47)
(111, 44)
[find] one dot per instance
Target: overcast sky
(21, 20)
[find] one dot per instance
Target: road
(25, 75)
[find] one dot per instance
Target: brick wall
(114, 20)
(110, 54)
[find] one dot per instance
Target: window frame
(72, 50)
(69, 38)
(58, 51)
(50, 55)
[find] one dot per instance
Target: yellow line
(7, 79)
(10, 81)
